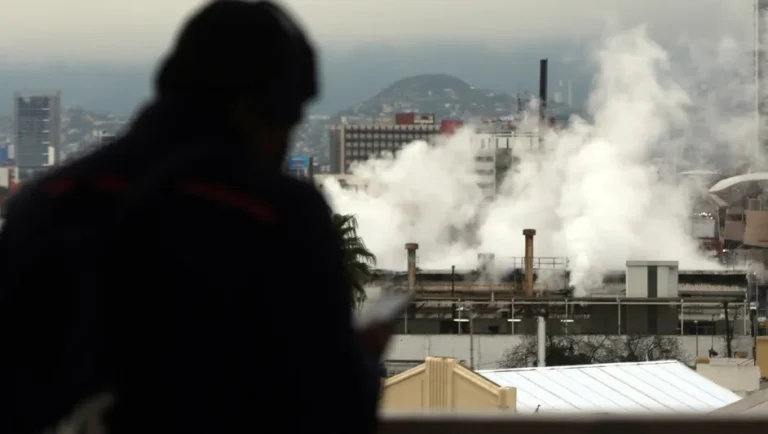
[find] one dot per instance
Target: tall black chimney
(543, 91)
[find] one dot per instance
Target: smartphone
(387, 309)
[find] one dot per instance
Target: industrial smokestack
(541, 341)
(543, 74)
(529, 233)
(411, 248)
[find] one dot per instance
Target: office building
(36, 135)
(352, 143)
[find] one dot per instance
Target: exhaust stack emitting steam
(591, 193)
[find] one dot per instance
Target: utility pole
(696, 324)
(471, 340)
(460, 320)
(728, 332)
(453, 304)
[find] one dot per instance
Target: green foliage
(589, 349)
(358, 260)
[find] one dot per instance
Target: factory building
(497, 152)
(505, 295)
(497, 149)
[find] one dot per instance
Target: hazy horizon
(83, 30)
(102, 54)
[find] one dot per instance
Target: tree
(358, 260)
(589, 349)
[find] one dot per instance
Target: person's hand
(376, 337)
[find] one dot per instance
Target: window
(702, 328)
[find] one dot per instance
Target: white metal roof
(754, 404)
(730, 182)
(644, 387)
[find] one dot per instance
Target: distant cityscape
(43, 131)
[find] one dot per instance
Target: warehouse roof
(643, 387)
(730, 182)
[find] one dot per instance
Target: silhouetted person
(176, 280)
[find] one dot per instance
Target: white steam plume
(592, 194)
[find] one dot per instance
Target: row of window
(376, 145)
(389, 128)
(363, 153)
(387, 136)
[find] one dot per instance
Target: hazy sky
(139, 30)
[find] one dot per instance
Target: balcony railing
(546, 424)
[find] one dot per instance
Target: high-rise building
(36, 136)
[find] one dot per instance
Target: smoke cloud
(598, 193)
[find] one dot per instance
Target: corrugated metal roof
(644, 387)
(730, 182)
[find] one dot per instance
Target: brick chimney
(411, 248)
(529, 233)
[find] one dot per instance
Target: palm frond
(357, 258)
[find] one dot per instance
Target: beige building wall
(441, 383)
(756, 228)
(761, 355)
(739, 379)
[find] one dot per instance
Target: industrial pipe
(411, 248)
(541, 341)
(545, 302)
(529, 233)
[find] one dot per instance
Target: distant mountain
(445, 95)
(357, 75)
(348, 77)
(426, 86)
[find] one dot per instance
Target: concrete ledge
(453, 423)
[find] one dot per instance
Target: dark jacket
(221, 284)
(52, 230)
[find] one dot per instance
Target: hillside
(445, 95)
(423, 87)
